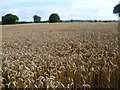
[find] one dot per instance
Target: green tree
(117, 10)
(54, 18)
(36, 18)
(9, 19)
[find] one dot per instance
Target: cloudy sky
(67, 9)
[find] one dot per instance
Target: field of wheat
(61, 55)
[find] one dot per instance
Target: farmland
(60, 55)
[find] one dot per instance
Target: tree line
(53, 18)
(13, 19)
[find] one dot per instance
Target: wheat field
(60, 55)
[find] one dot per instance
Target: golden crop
(72, 55)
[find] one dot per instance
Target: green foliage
(117, 9)
(54, 18)
(36, 18)
(9, 19)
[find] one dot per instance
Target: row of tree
(12, 19)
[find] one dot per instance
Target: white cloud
(87, 9)
(102, 9)
(39, 0)
(79, 9)
(16, 11)
(4, 3)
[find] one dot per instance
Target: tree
(71, 20)
(54, 18)
(117, 10)
(36, 18)
(9, 19)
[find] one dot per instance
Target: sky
(66, 9)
